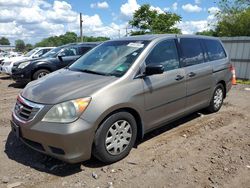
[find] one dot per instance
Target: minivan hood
(64, 85)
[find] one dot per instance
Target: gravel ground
(201, 150)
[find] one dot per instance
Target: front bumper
(21, 75)
(6, 69)
(71, 142)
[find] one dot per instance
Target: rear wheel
(217, 99)
(40, 73)
(115, 137)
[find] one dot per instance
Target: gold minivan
(117, 92)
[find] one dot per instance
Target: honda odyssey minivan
(117, 92)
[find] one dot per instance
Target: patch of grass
(247, 82)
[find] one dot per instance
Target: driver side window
(69, 52)
(164, 53)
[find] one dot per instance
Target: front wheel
(115, 137)
(217, 99)
(40, 73)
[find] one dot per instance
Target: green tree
(233, 18)
(28, 47)
(208, 33)
(93, 39)
(146, 20)
(20, 45)
(69, 37)
(4, 41)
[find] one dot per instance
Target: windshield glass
(110, 58)
(52, 52)
(31, 52)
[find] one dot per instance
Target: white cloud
(197, 1)
(61, 13)
(175, 6)
(157, 9)
(191, 8)
(32, 20)
(166, 9)
(191, 27)
(129, 8)
(213, 10)
(18, 3)
(101, 5)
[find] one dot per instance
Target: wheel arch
(39, 68)
(134, 113)
(223, 83)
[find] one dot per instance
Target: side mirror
(60, 57)
(154, 69)
(36, 56)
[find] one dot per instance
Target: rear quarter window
(214, 49)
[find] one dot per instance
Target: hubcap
(218, 98)
(42, 74)
(118, 137)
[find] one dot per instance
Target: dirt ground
(201, 150)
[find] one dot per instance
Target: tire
(217, 99)
(40, 73)
(112, 144)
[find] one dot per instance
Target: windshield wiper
(90, 71)
(96, 72)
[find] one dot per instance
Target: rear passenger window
(215, 50)
(164, 53)
(192, 52)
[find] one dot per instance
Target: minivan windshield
(112, 58)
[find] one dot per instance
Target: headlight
(67, 112)
(23, 65)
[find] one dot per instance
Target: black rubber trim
(220, 70)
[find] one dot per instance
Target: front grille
(26, 110)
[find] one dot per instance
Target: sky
(33, 20)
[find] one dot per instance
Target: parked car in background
(8, 63)
(28, 70)
(4, 55)
(119, 91)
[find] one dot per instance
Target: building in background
(6, 48)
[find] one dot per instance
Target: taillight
(232, 69)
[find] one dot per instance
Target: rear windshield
(110, 58)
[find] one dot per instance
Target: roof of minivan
(155, 36)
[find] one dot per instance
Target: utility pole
(81, 27)
(119, 33)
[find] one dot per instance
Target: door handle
(191, 74)
(179, 77)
